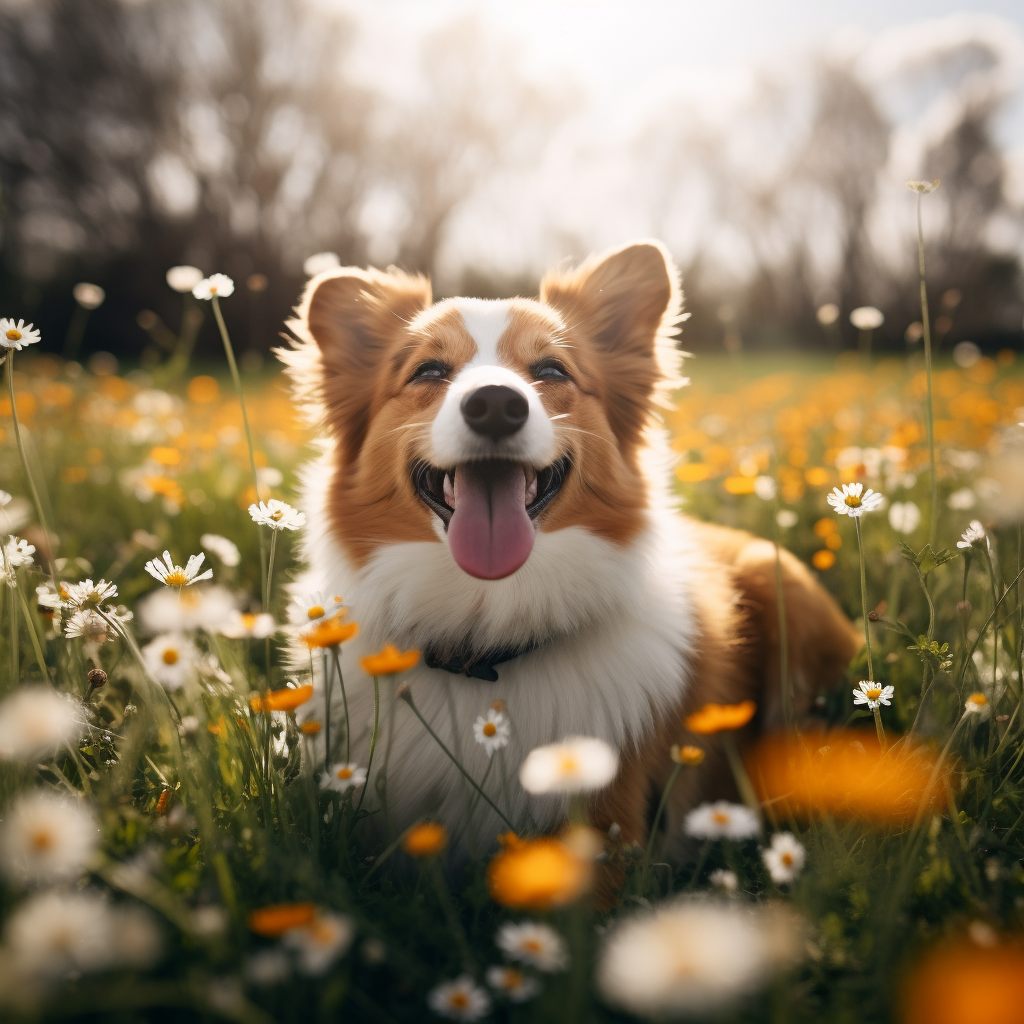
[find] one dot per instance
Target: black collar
(468, 663)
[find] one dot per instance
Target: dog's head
(477, 423)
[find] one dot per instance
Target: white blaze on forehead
(485, 320)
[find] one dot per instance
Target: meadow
(168, 843)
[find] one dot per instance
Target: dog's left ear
(624, 306)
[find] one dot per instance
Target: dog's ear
(623, 306)
(356, 317)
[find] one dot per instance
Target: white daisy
(866, 318)
(784, 858)
(216, 284)
(724, 879)
(36, 721)
(17, 335)
(46, 837)
(513, 984)
(171, 660)
(460, 999)
(343, 777)
(88, 594)
(174, 575)
(973, 535)
(904, 516)
(854, 501)
(577, 764)
(961, 500)
(924, 187)
(872, 693)
(278, 515)
(319, 944)
(722, 820)
(88, 625)
(169, 610)
(48, 596)
(88, 296)
(535, 944)
(5, 498)
(18, 552)
(243, 625)
(184, 278)
(492, 731)
(226, 550)
(977, 704)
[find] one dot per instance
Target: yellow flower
(388, 661)
(537, 874)
(287, 699)
(273, 921)
(686, 754)
(714, 718)
(427, 839)
(330, 632)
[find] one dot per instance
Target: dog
(493, 491)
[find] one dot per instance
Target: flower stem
(267, 594)
(878, 727)
(344, 700)
(864, 597)
(24, 456)
(34, 636)
(328, 685)
(654, 825)
(743, 783)
(929, 408)
(373, 737)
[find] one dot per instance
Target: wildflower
(722, 820)
(288, 698)
(16, 335)
(330, 632)
(866, 318)
(88, 594)
(973, 535)
(977, 704)
(226, 550)
(320, 262)
(273, 921)
(714, 718)
(492, 731)
(243, 625)
(538, 874)
(36, 721)
(576, 765)
(88, 296)
(174, 575)
(961, 500)
(89, 625)
(278, 515)
(784, 858)
(518, 987)
(171, 660)
(723, 879)
(427, 839)
(873, 694)
(537, 945)
(184, 278)
(318, 944)
(46, 837)
(343, 777)
(691, 957)
(786, 518)
(460, 999)
(310, 728)
(924, 187)
(173, 610)
(827, 314)
(49, 597)
(18, 552)
(686, 754)
(904, 516)
(388, 661)
(219, 285)
(854, 501)
(313, 607)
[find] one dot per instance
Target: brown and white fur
(640, 614)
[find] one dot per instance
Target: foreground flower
(318, 944)
(174, 575)
(538, 874)
(273, 921)
(784, 858)
(246, 626)
(36, 721)
(977, 704)
(492, 731)
(692, 957)
(687, 755)
(722, 820)
(184, 278)
(288, 698)
(226, 550)
(219, 285)
(973, 535)
(854, 501)
(714, 718)
(872, 693)
(87, 594)
(180, 610)
(460, 999)
(47, 837)
(576, 765)
(388, 661)
(513, 984)
(17, 335)
(171, 660)
(330, 632)
(18, 552)
(278, 515)
(427, 839)
(343, 777)
(537, 945)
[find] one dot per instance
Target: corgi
(493, 490)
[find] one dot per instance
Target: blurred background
(767, 145)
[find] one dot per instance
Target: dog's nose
(495, 410)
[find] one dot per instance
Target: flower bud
(97, 678)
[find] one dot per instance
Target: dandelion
(973, 536)
(712, 718)
(537, 945)
(215, 286)
(87, 594)
(904, 516)
(18, 552)
(722, 820)
(578, 764)
(286, 699)
(784, 858)
(175, 575)
(184, 278)
(854, 501)
(686, 755)
(343, 777)
(47, 838)
(513, 984)
(538, 874)
(17, 335)
(389, 661)
(226, 550)
(977, 704)
(330, 632)
(171, 660)
(278, 515)
(460, 999)
(317, 945)
(247, 626)
(722, 878)
(492, 731)
(35, 721)
(427, 839)
(872, 693)
(274, 920)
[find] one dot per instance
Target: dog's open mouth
(488, 509)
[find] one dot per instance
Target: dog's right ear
(355, 317)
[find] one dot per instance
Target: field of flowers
(172, 840)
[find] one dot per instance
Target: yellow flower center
(41, 840)
(874, 693)
(513, 979)
(170, 656)
(248, 620)
(720, 818)
(276, 515)
(13, 335)
(213, 289)
(852, 501)
(532, 946)
(489, 729)
(458, 1001)
(177, 578)
(787, 859)
(316, 612)
(569, 765)
(978, 698)
(344, 773)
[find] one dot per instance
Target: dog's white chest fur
(616, 631)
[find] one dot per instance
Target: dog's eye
(549, 369)
(430, 370)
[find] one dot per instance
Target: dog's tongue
(490, 534)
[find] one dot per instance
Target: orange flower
(218, 729)
(310, 728)
(686, 755)
(427, 839)
(330, 632)
(388, 661)
(537, 874)
(287, 699)
(721, 717)
(273, 921)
